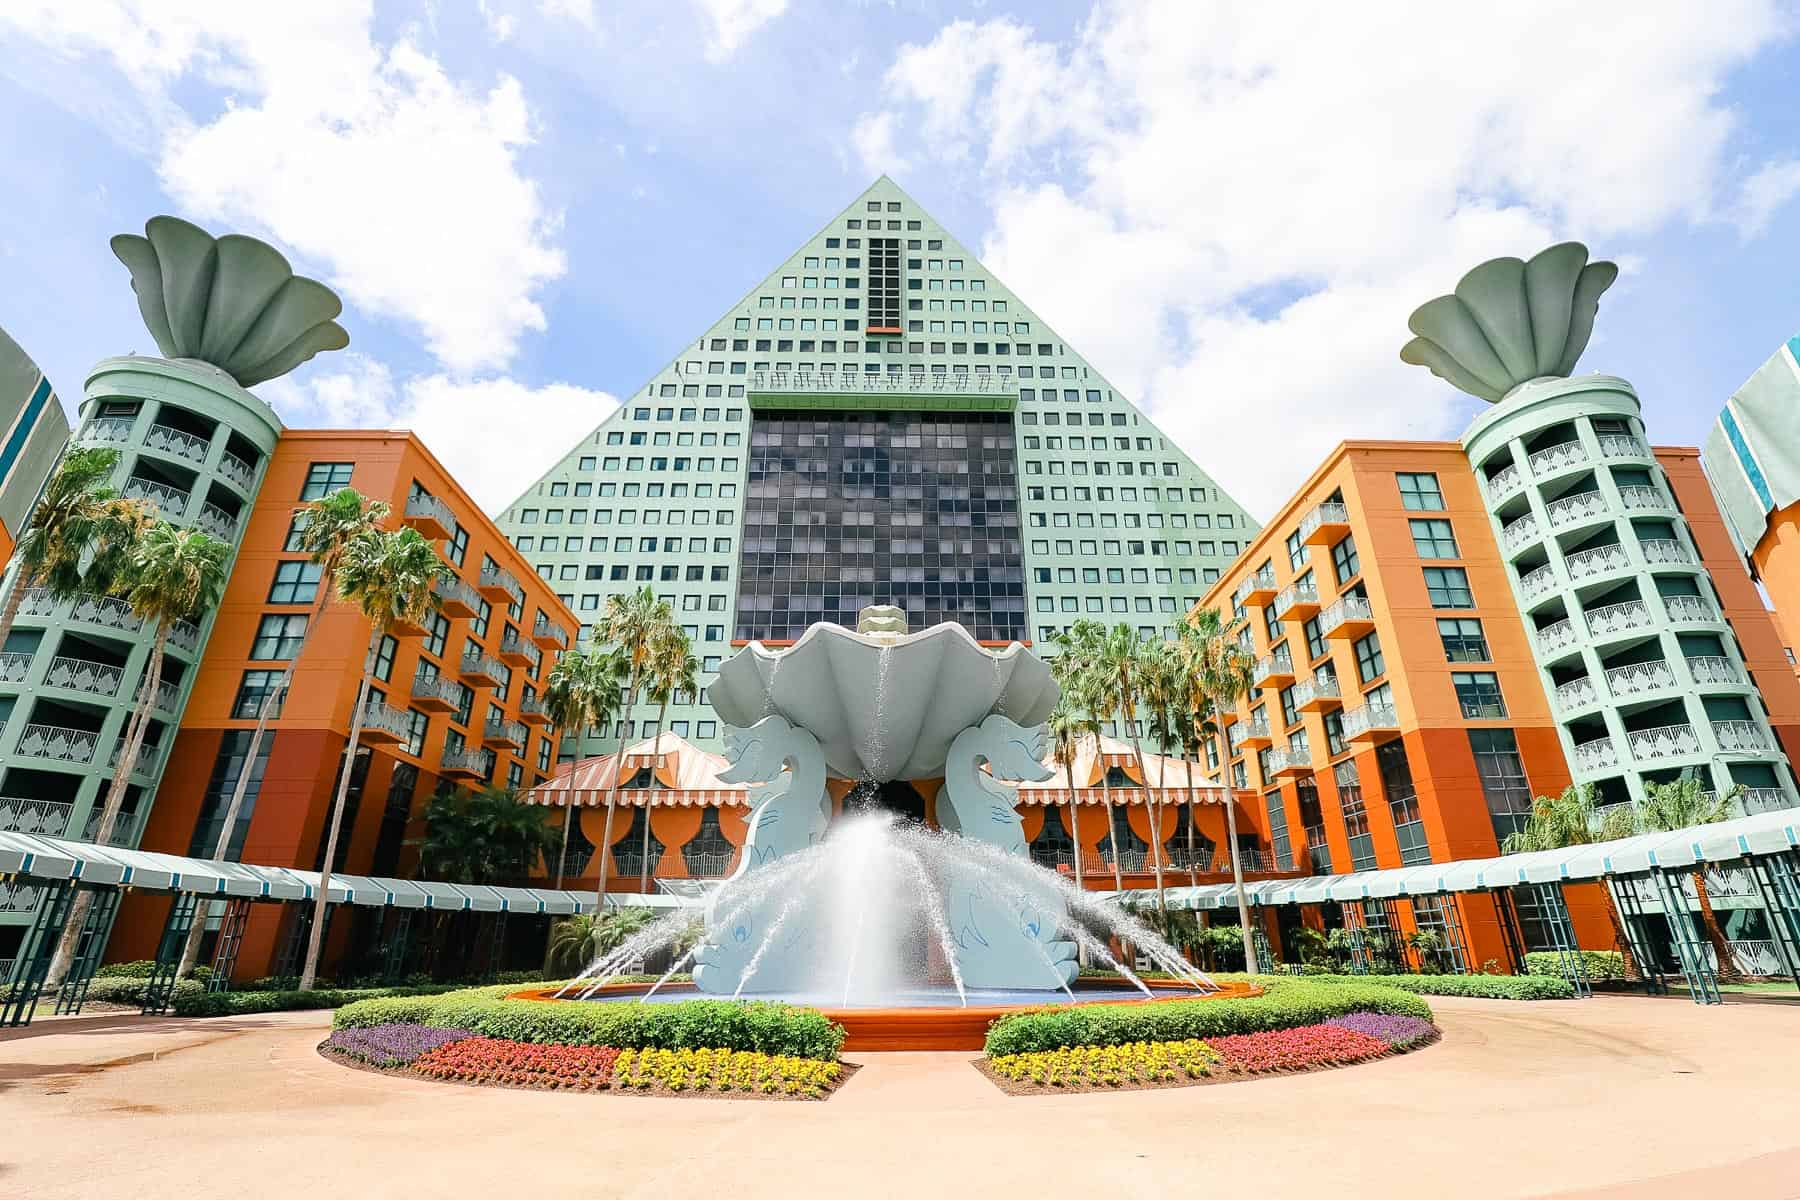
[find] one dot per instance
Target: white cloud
(731, 22)
(1766, 191)
(873, 140)
(495, 435)
(366, 158)
(579, 11)
(1233, 211)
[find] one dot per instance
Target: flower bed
(1488, 987)
(389, 1045)
(518, 1064)
(1351, 1038)
(725, 1071)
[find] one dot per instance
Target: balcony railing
(1274, 666)
(1577, 693)
(1296, 595)
(1315, 692)
(498, 579)
(216, 522)
(184, 635)
(1259, 582)
(467, 761)
(1757, 800)
(1739, 736)
(1711, 669)
(1538, 583)
(1622, 445)
(1643, 496)
(174, 441)
(1250, 731)
(1665, 550)
(168, 696)
(437, 692)
(15, 666)
(1323, 515)
(381, 718)
(1557, 458)
(518, 648)
(456, 598)
(709, 864)
(171, 501)
(533, 712)
(1617, 618)
(1369, 717)
(1559, 636)
(477, 665)
(1348, 610)
(44, 818)
(236, 469)
(1585, 564)
(1597, 755)
(1503, 482)
(81, 675)
(1663, 741)
(1519, 533)
(979, 383)
(107, 431)
(1576, 508)
(149, 754)
(1690, 609)
(1635, 679)
(427, 510)
(58, 743)
(549, 634)
(504, 733)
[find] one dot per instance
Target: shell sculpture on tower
(231, 301)
(1510, 322)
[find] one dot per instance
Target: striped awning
(640, 797)
(1122, 796)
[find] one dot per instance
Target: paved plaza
(1617, 1096)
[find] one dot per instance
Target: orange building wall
(1777, 561)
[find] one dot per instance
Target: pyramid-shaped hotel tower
(880, 420)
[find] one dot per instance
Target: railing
(1616, 618)
(1538, 583)
(1577, 693)
(109, 611)
(468, 759)
(1753, 956)
(1584, 564)
(1573, 509)
(1347, 608)
(449, 587)
(1557, 457)
(437, 687)
(1622, 445)
(475, 662)
(511, 732)
(80, 675)
(709, 864)
(1711, 669)
(184, 635)
(1504, 481)
(124, 830)
(58, 743)
(1634, 679)
(37, 602)
(1559, 636)
(498, 577)
(387, 718)
(1757, 800)
(531, 707)
(522, 648)
(1596, 755)
(1690, 608)
(978, 384)
(428, 507)
(236, 469)
(1640, 496)
(1295, 593)
(1319, 687)
(171, 500)
(217, 522)
(113, 431)
(1522, 531)
(1735, 736)
(1282, 760)
(1370, 716)
(15, 665)
(1665, 550)
(1251, 729)
(1326, 512)
(1663, 741)
(148, 755)
(174, 441)
(45, 818)
(550, 630)
(168, 696)
(18, 897)
(1262, 581)
(1273, 664)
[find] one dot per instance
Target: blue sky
(530, 205)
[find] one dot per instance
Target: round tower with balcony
(1644, 674)
(193, 444)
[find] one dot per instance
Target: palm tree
(1571, 818)
(1162, 688)
(1681, 805)
(390, 576)
(79, 534)
(1122, 658)
(482, 837)
(672, 671)
(327, 526)
(1223, 672)
(581, 691)
(1069, 726)
(578, 941)
(1077, 671)
(171, 575)
(634, 624)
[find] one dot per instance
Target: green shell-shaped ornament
(232, 301)
(1510, 322)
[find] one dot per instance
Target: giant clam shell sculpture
(1510, 322)
(232, 301)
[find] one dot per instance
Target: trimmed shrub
(1489, 987)
(129, 989)
(201, 1003)
(765, 1028)
(141, 968)
(1285, 1003)
(1600, 966)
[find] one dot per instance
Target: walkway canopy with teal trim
(1758, 834)
(42, 860)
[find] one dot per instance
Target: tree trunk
(568, 820)
(1150, 818)
(662, 714)
(1193, 820)
(1237, 868)
(1075, 833)
(1112, 830)
(315, 936)
(1621, 938)
(1727, 971)
(66, 945)
(612, 794)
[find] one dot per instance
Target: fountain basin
(923, 1018)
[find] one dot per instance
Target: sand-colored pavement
(1617, 1096)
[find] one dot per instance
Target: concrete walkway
(1615, 1096)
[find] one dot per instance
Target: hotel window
(1403, 802)
(1503, 781)
(296, 530)
(253, 689)
(416, 725)
(1315, 641)
(884, 284)
(384, 658)
(1478, 692)
(1463, 639)
(1448, 587)
(324, 478)
(1356, 817)
(1296, 550)
(1369, 663)
(278, 637)
(1433, 538)
(1420, 492)
(437, 634)
(295, 583)
(1345, 565)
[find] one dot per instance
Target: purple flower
(1398, 1031)
(391, 1045)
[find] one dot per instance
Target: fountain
(910, 935)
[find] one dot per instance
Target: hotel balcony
(499, 584)
(456, 599)
(1576, 694)
(236, 469)
(177, 443)
(1557, 460)
(1596, 562)
(149, 756)
(549, 635)
(1690, 610)
(1713, 671)
(81, 675)
(106, 431)
(1297, 602)
(1665, 551)
(1504, 483)
(1519, 533)
(481, 670)
(1350, 618)
(44, 818)
(1326, 523)
(1273, 671)
(1289, 763)
(1537, 584)
(1640, 497)
(1740, 737)
(517, 652)
(1257, 590)
(1623, 445)
(1370, 722)
(171, 502)
(434, 693)
(1639, 679)
(56, 743)
(383, 723)
(1578, 509)
(1555, 638)
(466, 764)
(1612, 619)
(913, 392)
(1256, 735)
(214, 521)
(504, 735)
(1317, 694)
(532, 712)
(430, 516)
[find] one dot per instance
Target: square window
(1420, 492)
(324, 478)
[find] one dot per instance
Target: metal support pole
(496, 949)
(1783, 908)
(399, 941)
(1702, 982)
(1353, 928)
(161, 988)
(1637, 932)
(1510, 934)
(230, 941)
(18, 1004)
(1562, 938)
(95, 931)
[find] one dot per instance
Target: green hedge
(201, 1003)
(691, 1024)
(1600, 966)
(1285, 1003)
(1490, 987)
(129, 989)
